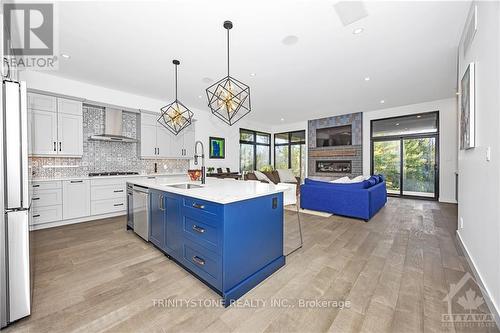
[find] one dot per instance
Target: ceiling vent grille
(470, 29)
(350, 11)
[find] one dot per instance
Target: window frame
(254, 143)
(289, 145)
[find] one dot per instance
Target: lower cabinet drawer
(47, 214)
(107, 206)
(204, 263)
(203, 232)
(107, 192)
(49, 197)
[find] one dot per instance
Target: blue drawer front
(207, 265)
(202, 207)
(204, 232)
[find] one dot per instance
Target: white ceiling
(408, 49)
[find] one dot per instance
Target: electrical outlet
(461, 222)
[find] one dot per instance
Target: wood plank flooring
(393, 271)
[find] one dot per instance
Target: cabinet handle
(55, 149)
(199, 230)
(76, 181)
(118, 191)
(35, 199)
(158, 151)
(199, 206)
(116, 205)
(37, 215)
(59, 145)
(198, 260)
(36, 185)
(160, 202)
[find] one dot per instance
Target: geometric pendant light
(175, 116)
(228, 98)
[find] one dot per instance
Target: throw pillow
(343, 180)
(262, 177)
(358, 179)
(286, 176)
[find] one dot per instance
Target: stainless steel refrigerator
(15, 204)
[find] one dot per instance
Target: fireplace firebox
(334, 166)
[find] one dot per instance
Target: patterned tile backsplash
(102, 156)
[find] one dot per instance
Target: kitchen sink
(185, 186)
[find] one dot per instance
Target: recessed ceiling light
(382, 101)
(207, 80)
(357, 31)
(367, 78)
(397, 124)
(419, 116)
(252, 74)
(290, 40)
(282, 119)
(65, 56)
(199, 96)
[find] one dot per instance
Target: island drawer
(207, 265)
(196, 205)
(204, 232)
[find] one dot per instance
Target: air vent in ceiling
(350, 11)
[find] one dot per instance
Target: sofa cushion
(262, 177)
(286, 176)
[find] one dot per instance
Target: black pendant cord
(227, 52)
(175, 81)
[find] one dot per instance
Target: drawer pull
(118, 191)
(199, 230)
(36, 185)
(116, 205)
(76, 181)
(198, 260)
(35, 198)
(199, 206)
(37, 215)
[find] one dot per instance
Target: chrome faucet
(203, 175)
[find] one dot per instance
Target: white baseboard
(73, 221)
(486, 293)
(448, 200)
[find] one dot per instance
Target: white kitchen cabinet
(163, 142)
(159, 142)
(76, 198)
(55, 125)
(69, 106)
(69, 134)
(42, 102)
(46, 214)
(43, 132)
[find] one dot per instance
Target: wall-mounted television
(334, 136)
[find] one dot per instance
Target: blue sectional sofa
(359, 200)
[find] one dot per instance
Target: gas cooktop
(113, 173)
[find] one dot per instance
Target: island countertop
(222, 191)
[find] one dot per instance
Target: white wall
(479, 180)
(447, 139)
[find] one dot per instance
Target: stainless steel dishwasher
(141, 211)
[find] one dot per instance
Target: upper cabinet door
(177, 145)
(189, 141)
(163, 142)
(148, 141)
(70, 135)
(42, 102)
(69, 106)
(44, 132)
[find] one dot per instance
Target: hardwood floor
(393, 272)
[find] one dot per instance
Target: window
(255, 150)
(289, 152)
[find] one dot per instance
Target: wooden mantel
(332, 153)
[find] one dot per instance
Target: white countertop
(222, 191)
(106, 177)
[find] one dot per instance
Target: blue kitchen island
(227, 233)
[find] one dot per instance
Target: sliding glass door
(405, 151)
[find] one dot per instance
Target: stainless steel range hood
(112, 127)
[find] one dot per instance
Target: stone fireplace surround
(352, 153)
